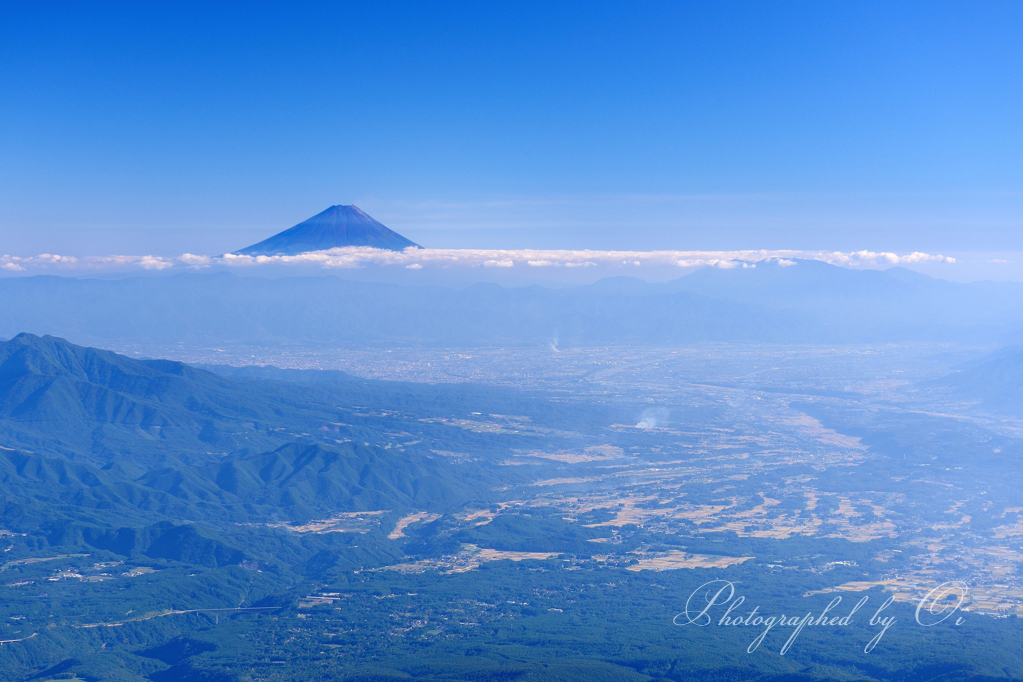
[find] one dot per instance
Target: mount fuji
(342, 225)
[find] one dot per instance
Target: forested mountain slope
(93, 436)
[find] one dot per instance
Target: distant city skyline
(680, 126)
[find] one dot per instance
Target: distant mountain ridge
(338, 226)
(806, 303)
(995, 380)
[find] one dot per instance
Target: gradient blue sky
(170, 127)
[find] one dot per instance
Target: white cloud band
(362, 256)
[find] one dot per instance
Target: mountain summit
(337, 226)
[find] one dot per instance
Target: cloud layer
(362, 256)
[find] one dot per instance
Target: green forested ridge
(100, 407)
(296, 482)
(95, 435)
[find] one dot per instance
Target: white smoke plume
(652, 417)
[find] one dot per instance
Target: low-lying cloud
(50, 260)
(364, 256)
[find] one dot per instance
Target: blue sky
(172, 127)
